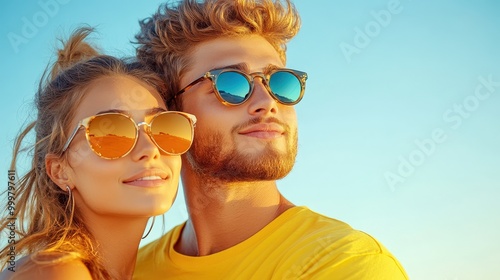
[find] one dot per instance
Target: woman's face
(141, 184)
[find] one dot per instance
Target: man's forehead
(248, 53)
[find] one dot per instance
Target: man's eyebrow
(243, 67)
(239, 66)
(270, 68)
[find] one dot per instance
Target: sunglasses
(234, 87)
(114, 135)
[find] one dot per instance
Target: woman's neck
(117, 243)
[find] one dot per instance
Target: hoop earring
(71, 205)
(150, 228)
(71, 201)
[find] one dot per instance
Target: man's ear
(57, 170)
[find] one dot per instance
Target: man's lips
(263, 130)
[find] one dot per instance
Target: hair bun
(74, 50)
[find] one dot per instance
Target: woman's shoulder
(47, 266)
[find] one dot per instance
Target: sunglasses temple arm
(71, 137)
(193, 119)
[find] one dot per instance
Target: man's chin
(264, 166)
(258, 149)
(254, 161)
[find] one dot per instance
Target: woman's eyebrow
(151, 111)
(155, 110)
(112, 111)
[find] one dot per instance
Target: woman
(106, 158)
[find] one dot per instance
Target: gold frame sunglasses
(114, 135)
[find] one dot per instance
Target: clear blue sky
(399, 127)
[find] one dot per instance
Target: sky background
(398, 131)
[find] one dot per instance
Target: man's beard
(208, 158)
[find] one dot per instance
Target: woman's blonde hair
(169, 35)
(47, 224)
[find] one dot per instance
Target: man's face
(254, 141)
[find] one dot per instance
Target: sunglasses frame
(86, 121)
(214, 74)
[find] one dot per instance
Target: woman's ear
(57, 170)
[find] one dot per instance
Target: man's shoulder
(324, 231)
(321, 245)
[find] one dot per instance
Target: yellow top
(299, 244)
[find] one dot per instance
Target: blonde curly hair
(167, 38)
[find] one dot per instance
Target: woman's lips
(147, 178)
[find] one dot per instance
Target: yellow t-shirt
(299, 244)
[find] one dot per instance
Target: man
(224, 61)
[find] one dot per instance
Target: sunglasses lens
(111, 135)
(285, 86)
(172, 132)
(233, 87)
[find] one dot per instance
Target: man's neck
(222, 215)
